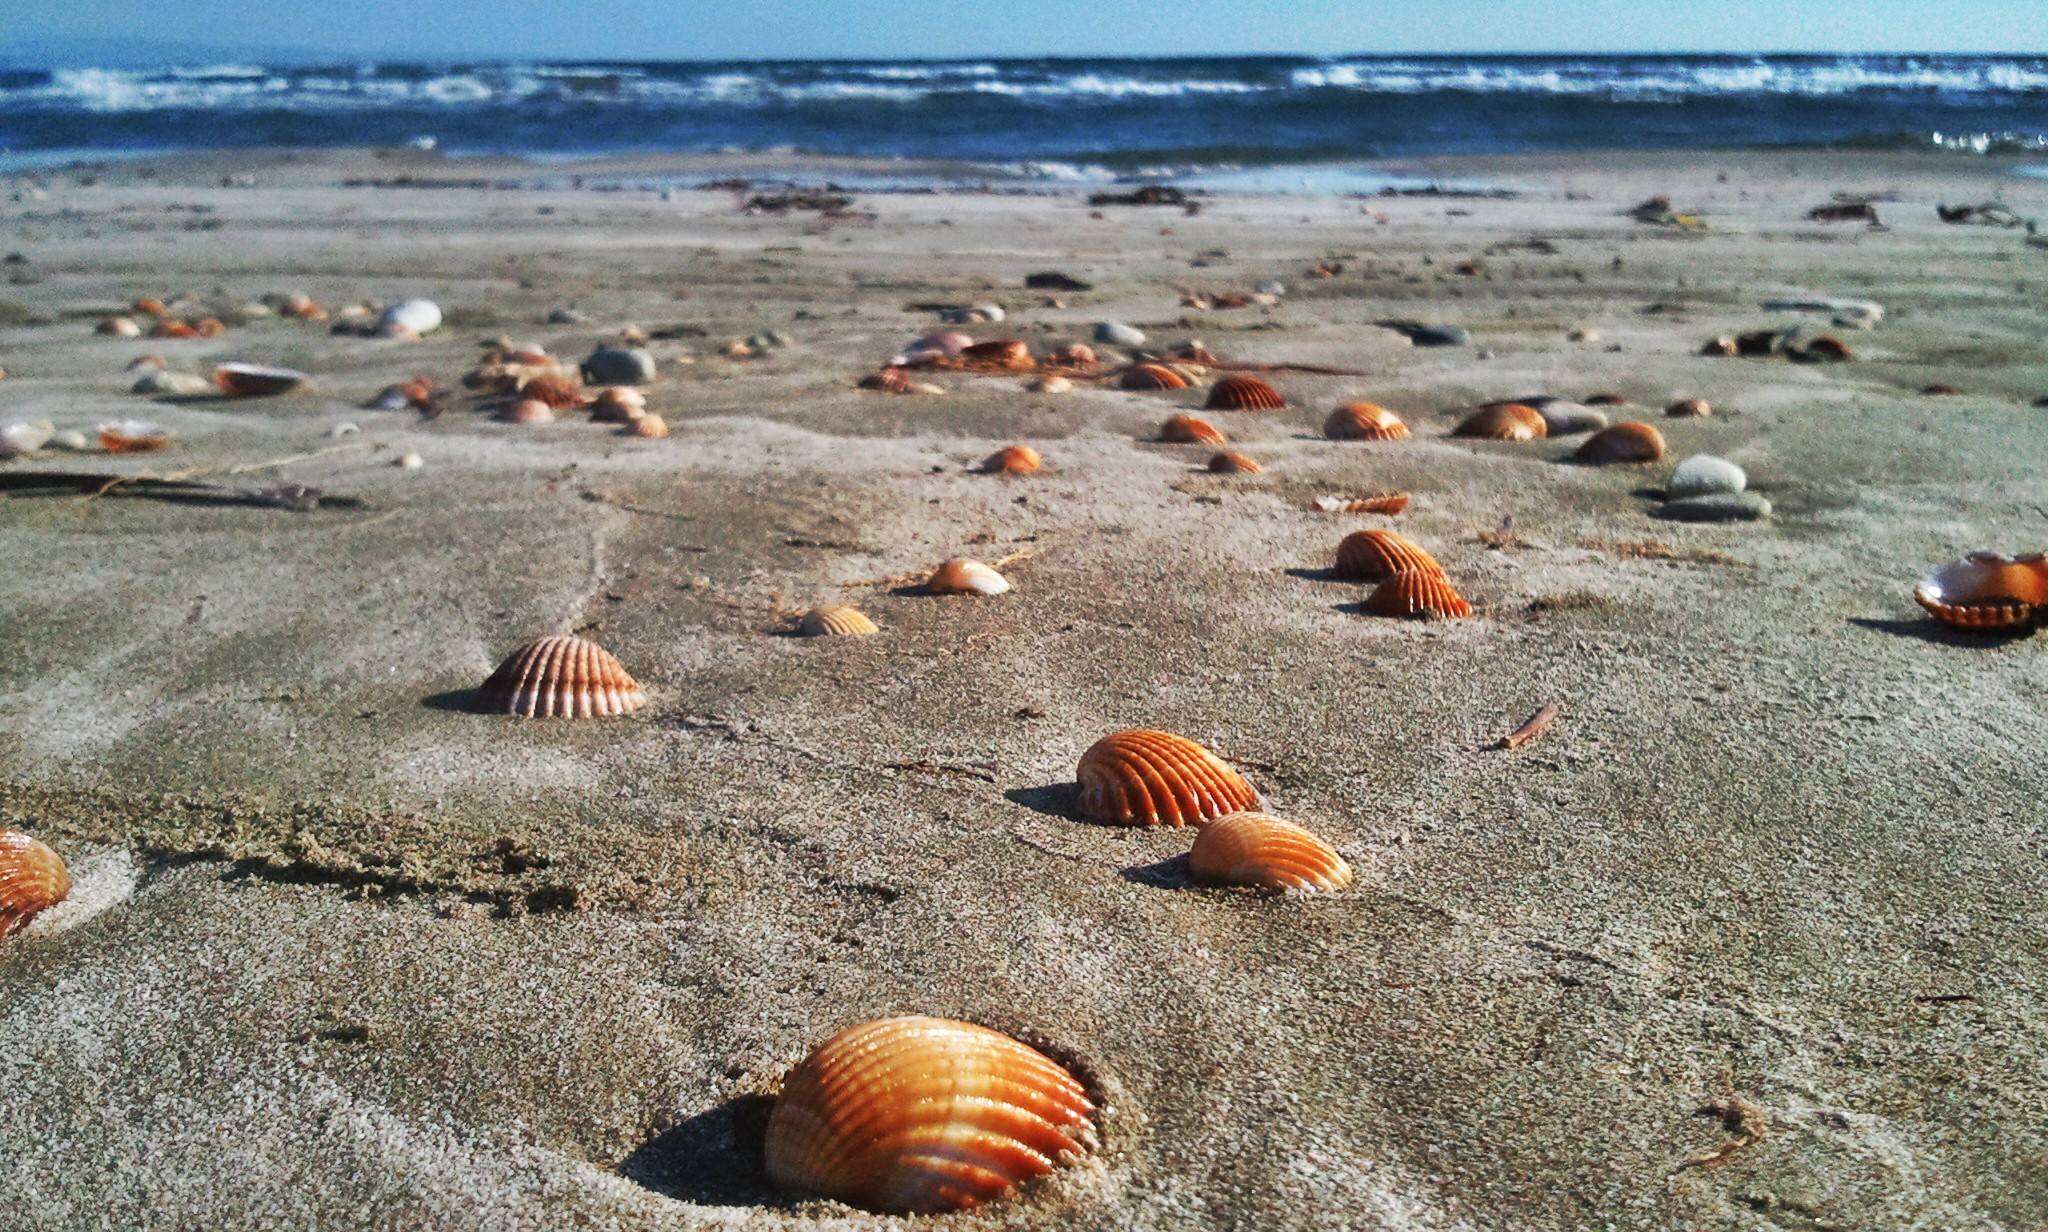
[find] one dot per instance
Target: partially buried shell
(890, 380)
(132, 436)
(1689, 408)
(1013, 460)
(1003, 353)
(1504, 421)
(1629, 441)
(1419, 594)
(1986, 593)
(1244, 393)
(1389, 503)
(256, 381)
(617, 404)
(1142, 777)
(839, 621)
(562, 677)
(1190, 430)
(1363, 421)
(962, 576)
(916, 1114)
(1255, 849)
(528, 411)
(118, 327)
(649, 427)
(1153, 376)
(1375, 555)
(1231, 462)
(32, 880)
(558, 392)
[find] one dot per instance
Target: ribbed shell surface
(1375, 555)
(1986, 593)
(1190, 430)
(836, 622)
(562, 677)
(1006, 353)
(1153, 376)
(1231, 462)
(32, 880)
(1419, 594)
(1154, 778)
(1630, 441)
(1363, 421)
(1255, 849)
(1244, 393)
(962, 576)
(1504, 421)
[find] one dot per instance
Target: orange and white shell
(1630, 441)
(1255, 849)
(1244, 393)
(1389, 503)
(1073, 355)
(118, 327)
(1364, 421)
(649, 427)
(1013, 460)
(1504, 421)
(921, 1115)
(890, 380)
(132, 436)
(1231, 462)
(1005, 353)
(963, 576)
(1142, 777)
(1689, 408)
(1375, 555)
(1152, 376)
(33, 879)
(256, 380)
(562, 677)
(1187, 429)
(1987, 593)
(617, 404)
(839, 621)
(558, 392)
(1419, 594)
(528, 411)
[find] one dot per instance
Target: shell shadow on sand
(713, 1158)
(1171, 873)
(1061, 800)
(461, 701)
(1939, 634)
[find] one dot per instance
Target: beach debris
(1822, 350)
(410, 460)
(838, 621)
(917, 1115)
(1724, 347)
(1716, 507)
(1326, 269)
(411, 318)
(1705, 475)
(1050, 385)
(132, 436)
(1689, 408)
(150, 306)
(117, 327)
(1260, 850)
(19, 439)
(1012, 460)
(527, 411)
(1116, 333)
(1985, 592)
(1244, 393)
(344, 428)
(823, 202)
(1152, 377)
(611, 365)
(965, 576)
(1939, 390)
(566, 316)
(1376, 555)
(648, 427)
(33, 879)
(1503, 421)
(560, 392)
(160, 383)
(1078, 356)
(1418, 594)
(1364, 421)
(1625, 442)
(890, 380)
(1422, 334)
(1184, 429)
(561, 677)
(1054, 280)
(1145, 777)
(1845, 211)
(171, 329)
(1537, 724)
(257, 381)
(1150, 194)
(1389, 503)
(1231, 462)
(1986, 214)
(1565, 418)
(1657, 211)
(1851, 313)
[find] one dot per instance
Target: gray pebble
(1718, 507)
(1116, 333)
(1705, 475)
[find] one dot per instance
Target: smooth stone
(1271, 287)
(1563, 418)
(1116, 333)
(618, 366)
(421, 316)
(567, 316)
(1717, 507)
(1704, 474)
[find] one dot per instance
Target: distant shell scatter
(964, 576)
(1255, 849)
(1143, 777)
(33, 879)
(561, 677)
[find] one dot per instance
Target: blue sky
(682, 29)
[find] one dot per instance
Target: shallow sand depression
(1754, 936)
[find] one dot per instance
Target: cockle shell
(557, 391)
(172, 329)
(33, 879)
(1420, 593)
(1003, 353)
(1244, 393)
(256, 381)
(1153, 376)
(838, 621)
(1375, 555)
(1190, 430)
(1363, 421)
(1389, 503)
(1504, 421)
(1628, 441)
(963, 576)
(1013, 460)
(1986, 593)
(1142, 777)
(149, 306)
(649, 427)
(890, 380)
(1231, 462)
(1826, 350)
(561, 677)
(920, 1115)
(118, 327)
(618, 405)
(1255, 849)
(1689, 408)
(132, 436)
(1073, 355)
(528, 411)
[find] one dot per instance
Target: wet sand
(1755, 936)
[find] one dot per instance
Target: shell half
(1987, 593)
(1190, 430)
(1364, 421)
(1504, 421)
(1244, 393)
(963, 576)
(1231, 462)
(1142, 777)
(562, 677)
(1152, 376)
(1417, 594)
(33, 879)
(1012, 460)
(1375, 555)
(1628, 441)
(839, 621)
(1255, 849)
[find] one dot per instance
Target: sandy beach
(1755, 937)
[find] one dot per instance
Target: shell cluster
(33, 879)
(561, 677)
(1987, 593)
(1143, 777)
(1255, 849)
(1244, 393)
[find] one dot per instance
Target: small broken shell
(1244, 393)
(1986, 593)
(256, 381)
(648, 427)
(1003, 353)
(1142, 777)
(1231, 462)
(1628, 441)
(1375, 555)
(33, 879)
(1190, 430)
(1389, 503)
(1419, 593)
(962, 576)
(1152, 376)
(841, 621)
(1256, 849)
(561, 677)
(1363, 421)
(1012, 460)
(1504, 421)
(527, 411)
(890, 380)
(1689, 408)
(132, 436)
(922, 1115)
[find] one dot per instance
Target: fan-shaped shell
(1363, 421)
(150, 306)
(963, 576)
(649, 427)
(1628, 441)
(1153, 376)
(1375, 555)
(1004, 353)
(558, 392)
(33, 879)
(562, 677)
(1190, 430)
(1244, 393)
(1388, 503)
(256, 381)
(1231, 462)
(1689, 408)
(1504, 421)
(1418, 593)
(1985, 592)
(1142, 777)
(1255, 849)
(839, 621)
(528, 411)
(1013, 460)
(919, 1114)
(890, 380)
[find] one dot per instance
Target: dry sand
(1755, 937)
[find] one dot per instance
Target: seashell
(531, 354)
(1826, 350)
(527, 411)
(70, 440)
(173, 329)
(1231, 462)
(962, 576)
(1504, 421)
(21, 439)
(1050, 385)
(1152, 376)
(118, 327)
(208, 327)
(1418, 593)
(149, 306)
(926, 387)
(1628, 441)
(1606, 399)
(1255, 849)
(559, 392)
(922, 1115)
(932, 346)
(1375, 555)
(1073, 355)
(256, 381)
(1195, 353)
(132, 436)
(1986, 593)
(342, 429)
(389, 398)
(890, 380)
(1389, 503)
(1187, 429)
(561, 677)
(1004, 353)
(33, 879)
(1563, 418)
(1244, 393)
(1689, 408)
(1142, 777)
(836, 622)
(174, 384)
(141, 362)
(1012, 460)
(1722, 347)
(1363, 421)
(649, 427)
(412, 317)
(618, 405)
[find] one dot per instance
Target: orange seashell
(1629, 441)
(1418, 593)
(33, 879)
(1389, 503)
(964, 576)
(1504, 421)
(132, 436)
(615, 404)
(920, 1115)
(209, 327)
(1190, 430)
(1375, 555)
(839, 621)
(649, 427)
(528, 411)
(1153, 376)
(1244, 393)
(1363, 421)
(1689, 408)
(891, 380)
(1255, 849)
(561, 677)
(1005, 353)
(1987, 593)
(559, 392)
(256, 381)
(150, 307)
(1142, 777)
(117, 327)
(1013, 460)
(1231, 462)
(1073, 355)
(173, 329)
